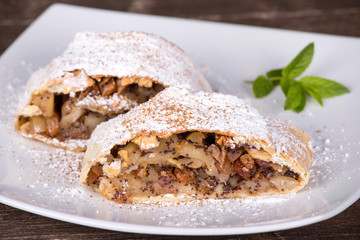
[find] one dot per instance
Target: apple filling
(75, 116)
(193, 164)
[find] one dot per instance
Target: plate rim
(170, 230)
(177, 231)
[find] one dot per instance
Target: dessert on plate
(182, 145)
(99, 76)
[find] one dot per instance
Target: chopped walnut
(221, 140)
(245, 166)
(224, 141)
(120, 86)
(107, 86)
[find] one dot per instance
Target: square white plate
(43, 180)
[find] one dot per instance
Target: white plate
(43, 180)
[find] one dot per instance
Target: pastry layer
(100, 75)
(193, 165)
(144, 154)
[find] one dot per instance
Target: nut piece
(107, 86)
(248, 161)
(245, 166)
(220, 140)
(224, 141)
(120, 86)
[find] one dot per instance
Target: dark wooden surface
(324, 16)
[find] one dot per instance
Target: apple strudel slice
(98, 77)
(182, 145)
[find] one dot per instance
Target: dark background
(323, 16)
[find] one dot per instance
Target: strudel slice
(98, 77)
(182, 145)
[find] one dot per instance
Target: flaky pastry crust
(134, 57)
(177, 111)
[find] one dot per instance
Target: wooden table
(324, 16)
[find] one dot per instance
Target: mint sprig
(296, 91)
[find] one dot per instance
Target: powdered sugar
(176, 110)
(71, 83)
(119, 54)
(58, 163)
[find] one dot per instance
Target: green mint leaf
(276, 82)
(299, 64)
(295, 91)
(314, 95)
(302, 104)
(296, 98)
(274, 76)
(262, 87)
(285, 84)
(307, 87)
(277, 73)
(324, 88)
